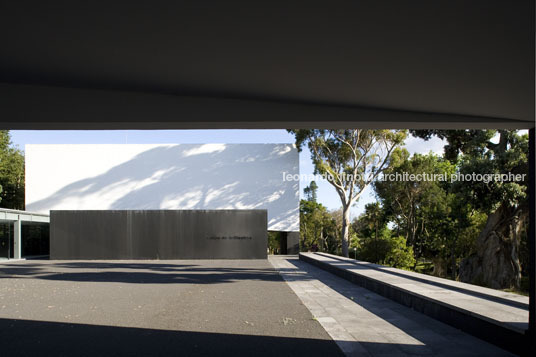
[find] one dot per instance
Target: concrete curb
(494, 332)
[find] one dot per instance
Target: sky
(326, 193)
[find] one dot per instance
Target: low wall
(158, 234)
(433, 299)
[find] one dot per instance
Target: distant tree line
(11, 173)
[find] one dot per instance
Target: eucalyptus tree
(350, 160)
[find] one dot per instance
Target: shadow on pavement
(137, 273)
(430, 332)
(39, 338)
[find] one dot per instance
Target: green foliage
(509, 155)
(421, 210)
(373, 234)
(274, 242)
(470, 142)
(345, 154)
(399, 254)
(318, 229)
(474, 151)
(374, 249)
(310, 191)
(433, 221)
(350, 160)
(377, 245)
(11, 173)
(482, 209)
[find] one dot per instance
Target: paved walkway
(502, 307)
(364, 323)
(103, 308)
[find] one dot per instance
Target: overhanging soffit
(266, 64)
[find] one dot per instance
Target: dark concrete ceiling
(266, 64)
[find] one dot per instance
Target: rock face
(496, 263)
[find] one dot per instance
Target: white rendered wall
(177, 176)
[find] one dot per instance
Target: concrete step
(495, 316)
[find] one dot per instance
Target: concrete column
(17, 241)
(293, 242)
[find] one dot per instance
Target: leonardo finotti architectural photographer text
(406, 176)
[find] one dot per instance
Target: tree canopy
(11, 173)
(350, 160)
(474, 230)
(495, 259)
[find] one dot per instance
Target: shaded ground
(158, 308)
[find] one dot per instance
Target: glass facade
(35, 240)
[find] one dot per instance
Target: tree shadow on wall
(192, 177)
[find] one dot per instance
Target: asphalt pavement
(126, 308)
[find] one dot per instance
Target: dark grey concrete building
(158, 234)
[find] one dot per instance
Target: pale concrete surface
(186, 307)
(498, 306)
(165, 176)
(366, 324)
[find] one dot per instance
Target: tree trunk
(322, 240)
(496, 261)
(440, 267)
(377, 258)
(345, 227)
(453, 260)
